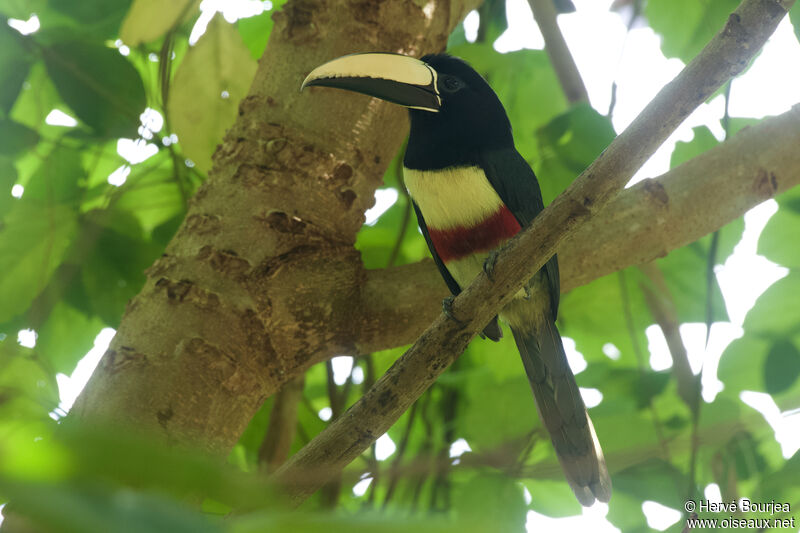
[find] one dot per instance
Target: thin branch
(544, 12)
(659, 301)
(282, 425)
(662, 307)
(394, 469)
(347, 437)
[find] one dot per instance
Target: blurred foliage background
(91, 194)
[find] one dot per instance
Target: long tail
(561, 409)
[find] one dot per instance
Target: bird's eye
(452, 84)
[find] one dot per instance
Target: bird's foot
(488, 264)
(527, 289)
(447, 309)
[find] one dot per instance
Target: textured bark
(641, 224)
(262, 279)
(440, 344)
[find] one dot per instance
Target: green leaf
(36, 100)
(686, 26)
(494, 499)
(27, 390)
(794, 17)
(777, 241)
(655, 480)
(703, 141)
(203, 101)
(153, 197)
(103, 89)
(255, 31)
(782, 366)
(96, 17)
(21, 9)
(15, 62)
(488, 420)
(57, 179)
(595, 314)
(149, 20)
(568, 144)
(552, 498)
(33, 239)
(76, 508)
(769, 325)
(114, 271)
(15, 137)
(8, 177)
(65, 337)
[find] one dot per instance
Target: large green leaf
(36, 100)
(15, 137)
(567, 145)
(765, 358)
(21, 9)
(778, 240)
(57, 180)
(65, 337)
(492, 499)
(99, 84)
(255, 31)
(655, 480)
(34, 239)
(782, 366)
(686, 26)
(203, 100)
(15, 61)
(552, 498)
(598, 313)
(794, 16)
(75, 508)
(148, 20)
(152, 197)
(28, 391)
(113, 272)
(96, 17)
(703, 141)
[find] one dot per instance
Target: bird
(471, 191)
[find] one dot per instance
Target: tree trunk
(260, 280)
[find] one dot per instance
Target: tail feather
(563, 413)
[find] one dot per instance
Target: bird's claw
(488, 264)
(527, 289)
(447, 309)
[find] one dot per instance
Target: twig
(346, 438)
(544, 12)
(394, 469)
(662, 307)
(282, 425)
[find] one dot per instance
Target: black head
(470, 119)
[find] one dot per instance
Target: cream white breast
(452, 198)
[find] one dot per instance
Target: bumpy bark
(262, 279)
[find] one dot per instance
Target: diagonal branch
(642, 223)
(728, 53)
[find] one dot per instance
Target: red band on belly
(456, 243)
